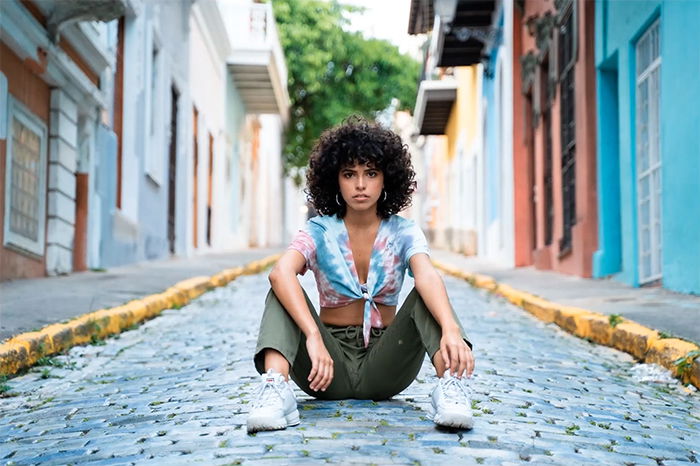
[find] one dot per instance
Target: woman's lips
(361, 198)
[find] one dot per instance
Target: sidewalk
(674, 313)
(33, 303)
(30, 304)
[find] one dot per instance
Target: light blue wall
(618, 26)
(153, 212)
(492, 181)
(153, 197)
(113, 252)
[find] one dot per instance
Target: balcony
(462, 29)
(434, 105)
(257, 62)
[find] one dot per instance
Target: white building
(258, 75)
(155, 132)
(57, 59)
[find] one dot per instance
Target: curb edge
(23, 350)
(643, 343)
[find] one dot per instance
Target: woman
(359, 177)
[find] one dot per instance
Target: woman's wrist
(450, 328)
(312, 333)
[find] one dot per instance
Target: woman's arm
(455, 352)
(286, 286)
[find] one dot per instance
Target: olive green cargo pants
(386, 367)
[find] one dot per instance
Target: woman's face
(361, 186)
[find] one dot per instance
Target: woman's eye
(372, 174)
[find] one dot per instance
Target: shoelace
(265, 395)
(454, 389)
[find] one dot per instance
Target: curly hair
(357, 140)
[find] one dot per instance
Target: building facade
(258, 78)
(450, 115)
(138, 130)
(554, 136)
(648, 146)
(55, 65)
(497, 224)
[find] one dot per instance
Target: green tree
(334, 73)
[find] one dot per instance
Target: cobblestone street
(176, 391)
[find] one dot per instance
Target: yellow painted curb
(540, 308)
(24, 350)
(641, 342)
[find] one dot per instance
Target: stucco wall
(618, 26)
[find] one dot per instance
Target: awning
(434, 105)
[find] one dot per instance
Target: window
(567, 60)
(25, 180)
(546, 91)
(648, 159)
(154, 89)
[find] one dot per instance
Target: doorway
(172, 168)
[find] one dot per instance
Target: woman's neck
(364, 219)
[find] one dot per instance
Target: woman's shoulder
(321, 227)
(322, 222)
(398, 223)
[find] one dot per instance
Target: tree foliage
(334, 73)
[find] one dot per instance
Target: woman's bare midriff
(351, 314)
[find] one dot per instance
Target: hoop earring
(337, 201)
(384, 200)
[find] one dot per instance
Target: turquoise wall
(618, 26)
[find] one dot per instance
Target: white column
(63, 140)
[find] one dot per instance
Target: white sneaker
(451, 403)
(274, 406)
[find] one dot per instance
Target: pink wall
(529, 144)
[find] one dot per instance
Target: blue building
(647, 67)
(496, 237)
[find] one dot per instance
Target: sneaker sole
(455, 420)
(264, 424)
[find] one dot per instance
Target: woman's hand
(456, 353)
(321, 373)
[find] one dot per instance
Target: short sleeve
(304, 243)
(414, 242)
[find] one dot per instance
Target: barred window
(567, 60)
(25, 180)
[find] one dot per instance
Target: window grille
(648, 160)
(567, 60)
(25, 180)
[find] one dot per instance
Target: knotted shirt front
(325, 244)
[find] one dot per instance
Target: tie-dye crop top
(325, 245)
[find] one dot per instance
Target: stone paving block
(616, 456)
(117, 461)
(564, 458)
(680, 454)
(485, 453)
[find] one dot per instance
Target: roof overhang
(434, 105)
(462, 41)
(421, 16)
(261, 84)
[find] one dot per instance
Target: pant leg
(278, 331)
(395, 360)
